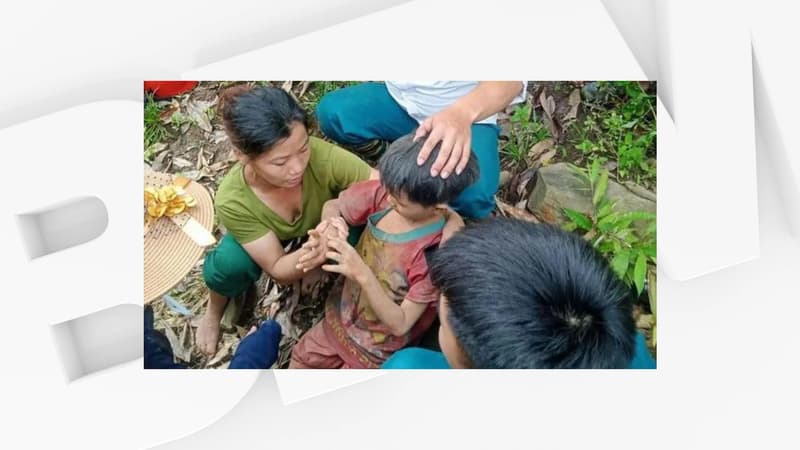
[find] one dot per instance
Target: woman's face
(283, 166)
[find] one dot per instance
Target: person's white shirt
(422, 99)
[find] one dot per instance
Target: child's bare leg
(208, 330)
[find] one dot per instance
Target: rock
(589, 91)
(558, 186)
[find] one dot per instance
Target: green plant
(630, 249)
(620, 125)
(526, 130)
(318, 89)
(178, 119)
(154, 130)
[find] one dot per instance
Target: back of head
(523, 295)
(400, 173)
(257, 118)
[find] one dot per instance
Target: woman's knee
(477, 202)
(327, 114)
(228, 269)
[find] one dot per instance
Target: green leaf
(600, 190)
(594, 170)
(651, 228)
(605, 208)
(639, 272)
(639, 215)
(607, 223)
(579, 218)
(620, 263)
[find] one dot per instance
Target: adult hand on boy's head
(451, 127)
(348, 261)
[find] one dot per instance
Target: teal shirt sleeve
(416, 358)
(422, 358)
(641, 356)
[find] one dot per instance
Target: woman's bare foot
(207, 335)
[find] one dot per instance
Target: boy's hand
(337, 227)
(348, 261)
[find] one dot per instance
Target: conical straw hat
(169, 253)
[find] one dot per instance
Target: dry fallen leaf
(157, 148)
(186, 339)
(522, 181)
(287, 86)
(197, 111)
(303, 87)
(510, 211)
(539, 148)
(574, 101)
(177, 348)
(545, 159)
(193, 174)
(165, 116)
(549, 107)
(219, 136)
(224, 350)
(218, 166)
(181, 163)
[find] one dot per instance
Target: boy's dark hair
(400, 173)
(531, 296)
(258, 118)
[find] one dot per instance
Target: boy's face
(410, 210)
(447, 339)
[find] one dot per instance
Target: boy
(517, 295)
(386, 301)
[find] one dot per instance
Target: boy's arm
(398, 318)
(331, 209)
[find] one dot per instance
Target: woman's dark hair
(258, 118)
(532, 296)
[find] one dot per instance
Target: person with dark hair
(274, 194)
(459, 116)
(386, 300)
(517, 295)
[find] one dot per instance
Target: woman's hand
(451, 127)
(348, 261)
(316, 245)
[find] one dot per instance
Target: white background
(726, 372)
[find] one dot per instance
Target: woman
(274, 194)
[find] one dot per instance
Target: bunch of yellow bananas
(167, 201)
